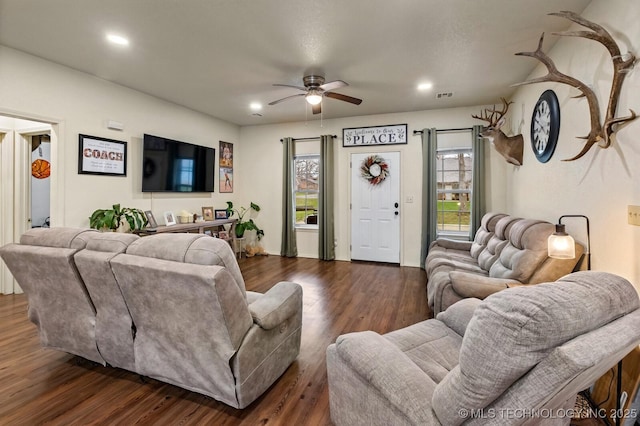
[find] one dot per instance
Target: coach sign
(377, 135)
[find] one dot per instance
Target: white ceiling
(218, 56)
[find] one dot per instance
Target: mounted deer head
(600, 134)
(510, 147)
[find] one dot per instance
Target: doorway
(375, 207)
(25, 154)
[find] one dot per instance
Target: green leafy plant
(243, 225)
(112, 218)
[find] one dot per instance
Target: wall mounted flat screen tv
(174, 166)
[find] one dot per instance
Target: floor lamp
(561, 245)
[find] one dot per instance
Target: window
(454, 191)
(307, 169)
(183, 174)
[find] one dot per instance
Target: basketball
(40, 169)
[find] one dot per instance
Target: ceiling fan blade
(288, 97)
(317, 109)
(333, 85)
(342, 97)
(304, 89)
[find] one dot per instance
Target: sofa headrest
(513, 330)
(111, 242)
(503, 226)
(59, 237)
(490, 220)
(531, 234)
(189, 248)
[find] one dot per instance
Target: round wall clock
(545, 126)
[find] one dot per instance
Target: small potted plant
(118, 219)
(242, 225)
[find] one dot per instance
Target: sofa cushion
(431, 345)
(198, 249)
(484, 233)
(110, 242)
(74, 238)
(534, 321)
(497, 242)
(525, 251)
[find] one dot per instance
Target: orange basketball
(40, 169)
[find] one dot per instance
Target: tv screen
(173, 166)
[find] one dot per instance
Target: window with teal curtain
(479, 201)
(326, 235)
(289, 246)
(429, 196)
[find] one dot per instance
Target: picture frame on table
(101, 156)
(222, 214)
(151, 219)
(207, 213)
(223, 235)
(169, 218)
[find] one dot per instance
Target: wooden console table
(190, 227)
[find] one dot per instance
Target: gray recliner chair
(196, 325)
(59, 304)
(518, 357)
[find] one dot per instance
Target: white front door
(375, 208)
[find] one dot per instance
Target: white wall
(38, 89)
(262, 175)
(601, 184)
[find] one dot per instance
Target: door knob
(395, 205)
(396, 213)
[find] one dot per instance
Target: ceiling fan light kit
(316, 89)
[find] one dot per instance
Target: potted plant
(243, 225)
(118, 217)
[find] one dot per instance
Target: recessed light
(425, 86)
(116, 39)
(255, 106)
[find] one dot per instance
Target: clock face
(545, 126)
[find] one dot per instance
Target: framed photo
(169, 218)
(226, 154)
(152, 220)
(222, 214)
(223, 235)
(100, 156)
(226, 179)
(207, 213)
(392, 134)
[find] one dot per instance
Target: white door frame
(15, 182)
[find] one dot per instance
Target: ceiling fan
(315, 89)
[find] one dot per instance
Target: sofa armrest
(478, 286)
(386, 370)
(282, 301)
(453, 244)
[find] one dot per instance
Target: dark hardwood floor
(43, 386)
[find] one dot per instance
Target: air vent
(444, 95)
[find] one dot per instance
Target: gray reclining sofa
(173, 307)
(518, 357)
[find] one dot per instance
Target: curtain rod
(460, 129)
(309, 139)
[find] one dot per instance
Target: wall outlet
(408, 199)
(634, 215)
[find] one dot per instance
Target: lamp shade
(561, 245)
(313, 98)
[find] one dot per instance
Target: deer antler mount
(510, 147)
(601, 133)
